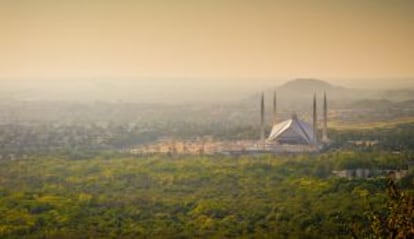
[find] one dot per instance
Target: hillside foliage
(190, 197)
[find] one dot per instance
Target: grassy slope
(371, 125)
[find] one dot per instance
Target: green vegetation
(397, 138)
(397, 220)
(371, 125)
(189, 197)
(72, 182)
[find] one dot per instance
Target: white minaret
(274, 108)
(315, 121)
(325, 120)
(262, 112)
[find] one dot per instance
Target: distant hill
(306, 85)
(305, 88)
(301, 91)
(297, 94)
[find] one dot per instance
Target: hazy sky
(206, 39)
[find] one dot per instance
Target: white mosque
(294, 134)
(290, 136)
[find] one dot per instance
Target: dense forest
(164, 196)
(106, 193)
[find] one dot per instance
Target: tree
(398, 220)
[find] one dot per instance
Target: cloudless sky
(207, 39)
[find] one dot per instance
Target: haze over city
(203, 46)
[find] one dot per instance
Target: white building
(293, 131)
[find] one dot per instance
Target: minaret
(325, 120)
(262, 112)
(315, 123)
(274, 108)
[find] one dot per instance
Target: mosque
(290, 136)
(294, 131)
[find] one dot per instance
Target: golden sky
(206, 38)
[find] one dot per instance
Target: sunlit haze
(352, 43)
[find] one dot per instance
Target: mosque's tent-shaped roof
(292, 131)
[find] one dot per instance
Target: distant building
(297, 132)
(292, 131)
(364, 173)
(289, 136)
